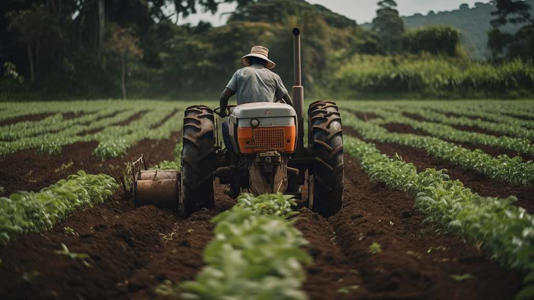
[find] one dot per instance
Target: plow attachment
(154, 187)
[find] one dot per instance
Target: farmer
(255, 82)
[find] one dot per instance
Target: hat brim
(270, 64)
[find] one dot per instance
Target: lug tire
(198, 159)
(325, 139)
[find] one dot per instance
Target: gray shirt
(256, 84)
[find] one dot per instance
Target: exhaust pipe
(298, 89)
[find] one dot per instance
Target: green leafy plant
(70, 230)
(25, 212)
(462, 277)
(256, 253)
(503, 168)
(82, 257)
(30, 276)
(375, 248)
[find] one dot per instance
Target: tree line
(120, 48)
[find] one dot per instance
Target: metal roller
(157, 174)
(159, 188)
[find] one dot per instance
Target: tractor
(268, 154)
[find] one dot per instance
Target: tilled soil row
(413, 260)
(129, 249)
(23, 118)
(130, 252)
(475, 181)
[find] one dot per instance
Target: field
(438, 204)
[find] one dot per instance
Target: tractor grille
(268, 138)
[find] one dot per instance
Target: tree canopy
(389, 26)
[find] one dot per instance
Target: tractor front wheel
(325, 139)
(198, 159)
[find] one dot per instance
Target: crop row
(505, 230)
(515, 110)
(256, 253)
(113, 140)
(502, 168)
(52, 124)
(499, 126)
(25, 212)
(452, 134)
(53, 142)
(18, 109)
(484, 111)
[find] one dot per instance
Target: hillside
(473, 22)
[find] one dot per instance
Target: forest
(84, 49)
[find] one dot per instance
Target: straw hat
(259, 52)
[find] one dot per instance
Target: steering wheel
(228, 111)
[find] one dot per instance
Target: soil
(74, 115)
(172, 114)
(476, 129)
(525, 118)
(366, 116)
(475, 181)
(135, 117)
(403, 128)
(414, 261)
(133, 250)
(24, 118)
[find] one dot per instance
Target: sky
(360, 10)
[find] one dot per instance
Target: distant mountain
(473, 22)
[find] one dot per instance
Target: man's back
(256, 83)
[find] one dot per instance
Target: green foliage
(519, 44)
(256, 254)
(274, 205)
(462, 277)
(440, 130)
(100, 122)
(25, 212)
(498, 123)
(172, 165)
(69, 230)
(436, 40)
(82, 257)
(432, 77)
(389, 26)
(502, 167)
(375, 248)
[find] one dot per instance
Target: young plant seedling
(462, 277)
(70, 230)
(375, 248)
(83, 257)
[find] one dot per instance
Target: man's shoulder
(270, 73)
(249, 70)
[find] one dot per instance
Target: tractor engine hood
(267, 113)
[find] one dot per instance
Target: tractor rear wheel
(325, 139)
(198, 159)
